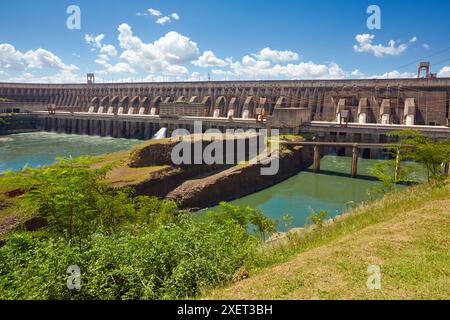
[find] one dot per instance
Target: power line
(441, 62)
(423, 58)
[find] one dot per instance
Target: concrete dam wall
(393, 101)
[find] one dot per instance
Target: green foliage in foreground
(77, 201)
(126, 247)
(169, 262)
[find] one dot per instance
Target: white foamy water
(42, 148)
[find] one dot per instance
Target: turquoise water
(42, 148)
(333, 190)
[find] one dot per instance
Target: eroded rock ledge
(200, 186)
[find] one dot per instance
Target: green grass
(406, 234)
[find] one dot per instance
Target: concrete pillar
(74, 126)
(121, 129)
(109, 132)
(147, 131)
(68, 126)
(103, 128)
(91, 127)
(316, 159)
(355, 161)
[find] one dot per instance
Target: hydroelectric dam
(333, 110)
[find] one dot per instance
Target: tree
(287, 218)
(386, 171)
(419, 148)
(245, 217)
(67, 195)
(77, 201)
(318, 218)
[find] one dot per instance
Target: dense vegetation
(137, 247)
(126, 247)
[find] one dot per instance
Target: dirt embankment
(238, 181)
(201, 186)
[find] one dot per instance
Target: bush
(169, 262)
(126, 247)
(318, 218)
(77, 201)
(245, 217)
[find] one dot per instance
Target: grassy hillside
(407, 234)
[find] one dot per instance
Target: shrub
(318, 218)
(245, 217)
(77, 201)
(169, 262)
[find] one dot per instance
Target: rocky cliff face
(200, 185)
(238, 181)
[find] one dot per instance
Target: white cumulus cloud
(166, 55)
(252, 68)
(365, 44)
(394, 75)
(154, 12)
(209, 59)
(95, 41)
(109, 50)
(444, 72)
(277, 55)
(10, 58)
(15, 60)
(163, 20)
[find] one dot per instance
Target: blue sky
(246, 39)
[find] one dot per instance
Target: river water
(332, 190)
(42, 148)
